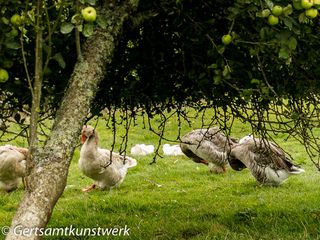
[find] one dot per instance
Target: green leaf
(234, 10)
(287, 10)
(213, 66)
(292, 43)
(102, 22)
(79, 27)
(88, 29)
(255, 81)
(12, 45)
(91, 2)
(202, 75)
(221, 49)
(247, 94)
(76, 19)
(217, 80)
(253, 51)
(66, 28)
(7, 63)
(284, 53)
(303, 18)
(226, 71)
(283, 36)
(217, 71)
(58, 57)
(265, 90)
(288, 22)
(269, 3)
(5, 20)
(266, 33)
(259, 14)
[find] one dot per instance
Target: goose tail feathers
(130, 162)
(296, 170)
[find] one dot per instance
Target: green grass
(178, 199)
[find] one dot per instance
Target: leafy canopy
(172, 56)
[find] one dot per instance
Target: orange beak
(83, 138)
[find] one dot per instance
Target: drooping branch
(37, 85)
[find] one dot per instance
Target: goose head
(87, 133)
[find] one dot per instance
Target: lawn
(176, 198)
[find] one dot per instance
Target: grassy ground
(178, 199)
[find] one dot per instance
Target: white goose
(97, 163)
(142, 149)
(210, 147)
(267, 162)
(171, 150)
(12, 166)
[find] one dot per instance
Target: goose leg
(89, 188)
(205, 162)
(217, 169)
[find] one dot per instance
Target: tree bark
(47, 179)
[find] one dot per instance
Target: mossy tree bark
(47, 179)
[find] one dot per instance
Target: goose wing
(268, 154)
(12, 162)
(106, 158)
(218, 138)
(213, 135)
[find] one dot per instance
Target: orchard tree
(66, 61)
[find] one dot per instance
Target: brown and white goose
(105, 168)
(210, 147)
(12, 166)
(267, 162)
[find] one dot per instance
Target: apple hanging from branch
(89, 14)
(4, 75)
(311, 13)
(306, 4)
(273, 20)
(16, 20)
(226, 39)
(277, 10)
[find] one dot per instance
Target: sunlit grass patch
(176, 198)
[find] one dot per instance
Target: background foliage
(171, 57)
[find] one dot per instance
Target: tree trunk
(47, 179)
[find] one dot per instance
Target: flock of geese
(267, 162)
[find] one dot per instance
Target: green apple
(265, 13)
(89, 14)
(297, 4)
(226, 39)
(276, 10)
(273, 20)
(16, 20)
(311, 12)
(316, 2)
(4, 75)
(306, 4)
